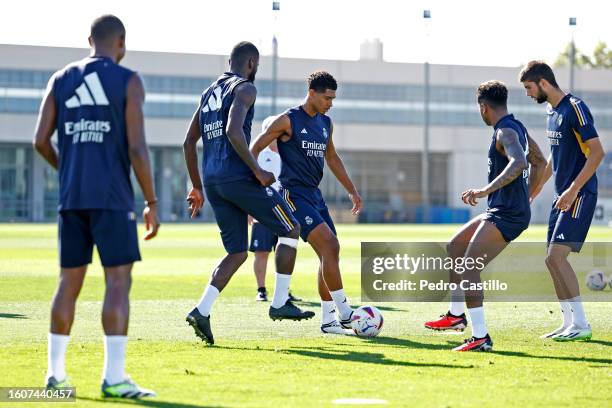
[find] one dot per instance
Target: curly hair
(320, 81)
(493, 93)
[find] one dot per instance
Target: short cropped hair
(494, 93)
(242, 52)
(320, 81)
(534, 71)
(106, 28)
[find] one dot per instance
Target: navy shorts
(308, 207)
(112, 232)
(262, 239)
(509, 226)
(233, 202)
(571, 227)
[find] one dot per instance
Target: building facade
(379, 117)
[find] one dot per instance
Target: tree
(601, 58)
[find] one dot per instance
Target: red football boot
(448, 322)
(476, 344)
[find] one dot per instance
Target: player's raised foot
(54, 384)
(125, 389)
(201, 325)
(346, 323)
(289, 311)
(262, 295)
(448, 322)
(334, 327)
(476, 344)
(553, 333)
(574, 333)
(294, 298)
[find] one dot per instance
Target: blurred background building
(379, 117)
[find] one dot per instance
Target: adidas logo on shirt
(560, 236)
(304, 132)
(89, 92)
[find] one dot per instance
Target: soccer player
(96, 106)
(304, 138)
(576, 152)
(263, 240)
(507, 215)
(237, 186)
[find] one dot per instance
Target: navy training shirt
(221, 164)
(569, 125)
(303, 155)
(94, 162)
(512, 199)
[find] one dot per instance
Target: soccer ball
(596, 280)
(610, 281)
(367, 321)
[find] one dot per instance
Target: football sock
(479, 328)
(578, 317)
(566, 311)
(56, 355)
(114, 359)
(344, 309)
(281, 290)
(328, 311)
(208, 298)
(456, 308)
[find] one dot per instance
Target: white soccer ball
(610, 281)
(367, 321)
(596, 280)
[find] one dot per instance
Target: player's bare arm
(335, 164)
(596, 155)
(195, 198)
(508, 142)
(139, 154)
(546, 175)
(245, 95)
(279, 128)
(538, 164)
(45, 127)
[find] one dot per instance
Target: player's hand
(470, 196)
(151, 221)
(566, 200)
(357, 202)
(265, 177)
(195, 198)
(250, 220)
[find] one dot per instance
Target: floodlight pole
(275, 8)
(572, 56)
(425, 186)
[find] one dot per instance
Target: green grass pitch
(260, 363)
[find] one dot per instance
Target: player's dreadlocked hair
(534, 71)
(494, 93)
(320, 81)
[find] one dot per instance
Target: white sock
(208, 298)
(114, 359)
(328, 311)
(566, 310)
(281, 290)
(344, 309)
(456, 307)
(578, 317)
(479, 328)
(56, 355)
